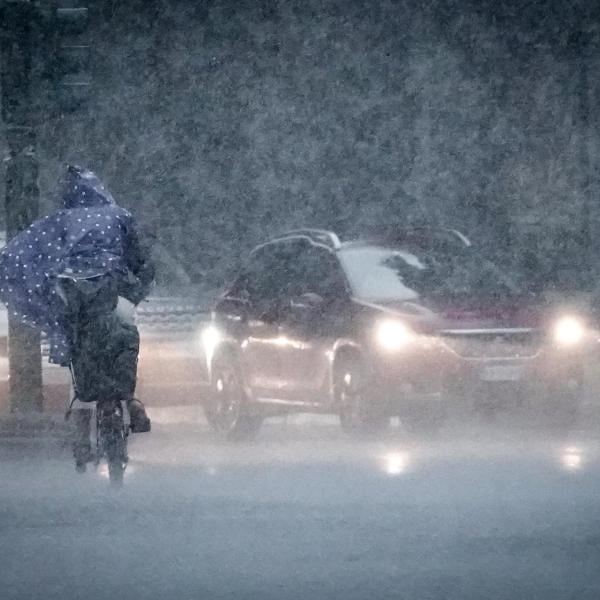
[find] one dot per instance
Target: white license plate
(502, 373)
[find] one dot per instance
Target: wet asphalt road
(479, 513)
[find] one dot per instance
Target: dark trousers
(104, 349)
(105, 358)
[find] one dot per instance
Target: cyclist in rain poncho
(64, 275)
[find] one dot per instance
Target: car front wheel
(360, 410)
(226, 408)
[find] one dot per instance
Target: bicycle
(111, 435)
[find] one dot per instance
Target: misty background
(221, 123)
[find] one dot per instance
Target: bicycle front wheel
(116, 456)
(114, 443)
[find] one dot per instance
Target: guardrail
(163, 315)
(172, 314)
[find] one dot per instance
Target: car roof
(315, 237)
(401, 237)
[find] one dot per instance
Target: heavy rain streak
(300, 299)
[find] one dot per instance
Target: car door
(305, 359)
(262, 346)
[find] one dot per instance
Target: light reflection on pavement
(306, 512)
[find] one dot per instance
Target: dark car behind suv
(412, 324)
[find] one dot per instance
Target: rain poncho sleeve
(138, 281)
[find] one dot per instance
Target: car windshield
(382, 274)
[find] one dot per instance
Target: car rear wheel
(361, 411)
(226, 409)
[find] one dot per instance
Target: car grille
(494, 344)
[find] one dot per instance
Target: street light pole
(19, 21)
(589, 126)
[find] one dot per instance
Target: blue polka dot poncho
(90, 237)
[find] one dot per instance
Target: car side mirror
(237, 308)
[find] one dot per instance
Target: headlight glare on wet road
(571, 459)
(395, 463)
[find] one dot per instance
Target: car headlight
(568, 331)
(211, 338)
(393, 335)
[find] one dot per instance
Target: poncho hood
(84, 189)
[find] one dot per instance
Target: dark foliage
(221, 122)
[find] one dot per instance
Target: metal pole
(18, 20)
(585, 160)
